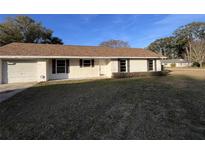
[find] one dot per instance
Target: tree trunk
(201, 64)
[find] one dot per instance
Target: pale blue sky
(138, 30)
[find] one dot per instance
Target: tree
(191, 32)
(115, 44)
(166, 46)
(55, 40)
(25, 29)
(195, 52)
(188, 33)
(175, 45)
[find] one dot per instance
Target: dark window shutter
(67, 66)
(81, 62)
(93, 62)
(53, 66)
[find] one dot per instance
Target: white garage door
(19, 71)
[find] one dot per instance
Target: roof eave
(96, 57)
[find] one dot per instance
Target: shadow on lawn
(167, 107)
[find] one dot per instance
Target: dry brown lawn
(189, 72)
(169, 107)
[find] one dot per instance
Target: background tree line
(186, 42)
(176, 46)
(26, 30)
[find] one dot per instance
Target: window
(150, 65)
(86, 62)
(60, 66)
(122, 65)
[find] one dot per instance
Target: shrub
(139, 74)
(173, 65)
(195, 64)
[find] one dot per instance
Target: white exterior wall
(1, 71)
(108, 69)
(105, 67)
(102, 68)
(42, 69)
(177, 64)
(83, 72)
(42, 66)
(182, 64)
(114, 65)
(159, 67)
(138, 65)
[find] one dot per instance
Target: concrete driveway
(9, 90)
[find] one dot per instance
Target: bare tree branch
(195, 52)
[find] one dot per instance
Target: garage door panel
(20, 71)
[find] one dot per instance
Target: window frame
(152, 65)
(60, 66)
(125, 65)
(66, 64)
(91, 63)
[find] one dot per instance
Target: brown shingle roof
(30, 49)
